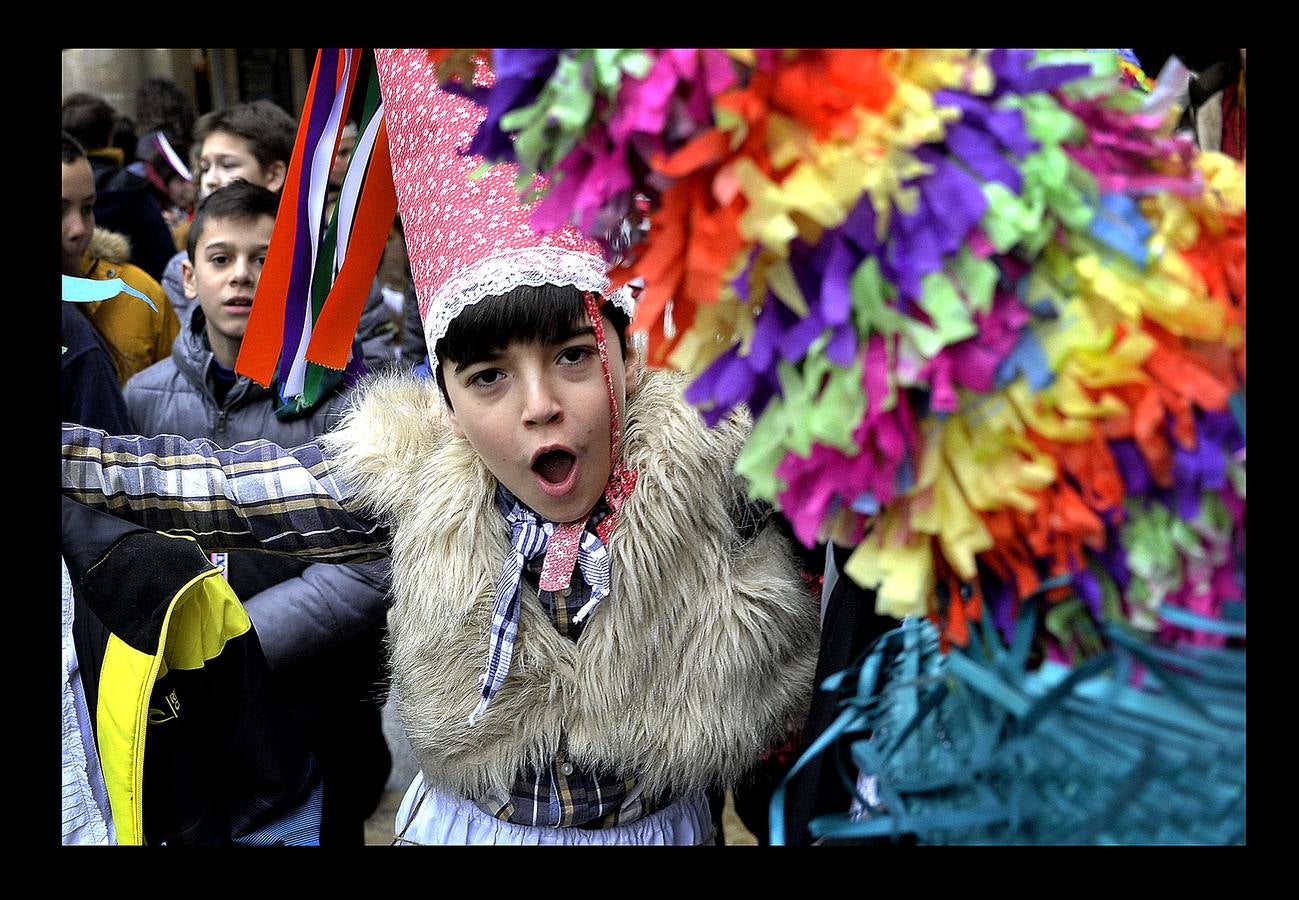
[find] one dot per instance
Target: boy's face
(78, 213)
(538, 415)
(226, 157)
(227, 264)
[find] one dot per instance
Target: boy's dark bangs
(546, 315)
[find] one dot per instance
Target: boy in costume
(592, 626)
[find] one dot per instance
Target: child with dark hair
(252, 142)
(160, 160)
(165, 119)
(160, 105)
(124, 201)
(321, 626)
(134, 335)
(591, 626)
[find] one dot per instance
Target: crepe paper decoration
(661, 100)
(861, 479)
(1168, 302)
(1025, 359)
(1152, 556)
(986, 308)
(898, 563)
(1119, 224)
(91, 290)
(1204, 467)
(1102, 82)
(520, 76)
(822, 405)
(1121, 155)
(672, 97)
(552, 126)
(1074, 630)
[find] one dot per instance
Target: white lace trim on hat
(502, 272)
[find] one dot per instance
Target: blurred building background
(213, 78)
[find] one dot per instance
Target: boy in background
(321, 626)
(248, 141)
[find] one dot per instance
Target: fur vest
(701, 657)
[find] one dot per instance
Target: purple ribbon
(295, 304)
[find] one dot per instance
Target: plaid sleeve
(254, 496)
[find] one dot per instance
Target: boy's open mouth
(554, 466)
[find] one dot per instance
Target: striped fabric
(87, 814)
(253, 496)
(299, 827)
(529, 537)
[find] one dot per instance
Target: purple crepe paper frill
(981, 135)
(520, 76)
(952, 202)
(1088, 587)
(732, 375)
(1205, 467)
(973, 362)
(950, 206)
(1113, 558)
(1125, 157)
(729, 380)
(1137, 478)
(1015, 73)
(830, 478)
(823, 272)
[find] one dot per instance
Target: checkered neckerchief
(529, 537)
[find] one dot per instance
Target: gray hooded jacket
(298, 609)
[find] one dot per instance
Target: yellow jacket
(137, 336)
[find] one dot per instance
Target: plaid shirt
(563, 794)
(258, 496)
(254, 496)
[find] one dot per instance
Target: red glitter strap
(561, 556)
(561, 551)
